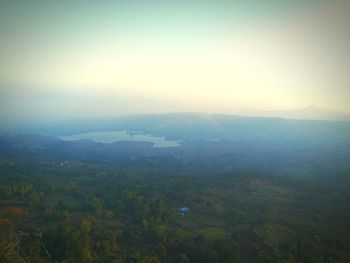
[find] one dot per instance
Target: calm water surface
(115, 136)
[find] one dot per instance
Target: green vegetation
(95, 212)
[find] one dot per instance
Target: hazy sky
(187, 55)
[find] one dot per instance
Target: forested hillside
(59, 208)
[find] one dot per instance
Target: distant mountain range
(22, 110)
(311, 112)
(217, 141)
(191, 127)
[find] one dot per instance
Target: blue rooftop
(184, 210)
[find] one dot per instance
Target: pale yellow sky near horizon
(203, 59)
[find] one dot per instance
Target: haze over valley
(174, 131)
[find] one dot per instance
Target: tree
(182, 258)
(97, 206)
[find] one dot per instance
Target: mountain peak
(311, 112)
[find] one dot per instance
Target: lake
(116, 136)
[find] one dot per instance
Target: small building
(184, 210)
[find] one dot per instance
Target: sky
(111, 58)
